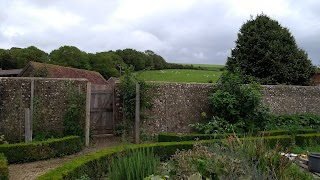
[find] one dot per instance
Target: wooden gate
(102, 111)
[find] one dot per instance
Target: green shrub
(239, 102)
(4, 171)
(293, 122)
(168, 137)
(286, 132)
(232, 158)
(74, 114)
(34, 151)
(304, 140)
(133, 164)
(218, 125)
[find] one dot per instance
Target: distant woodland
(109, 63)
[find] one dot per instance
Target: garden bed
(95, 165)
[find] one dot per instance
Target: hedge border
(39, 150)
(4, 171)
(286, 132)
(304, 140)
(95, 165)
(170, 137)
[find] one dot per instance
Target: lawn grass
(180, 75)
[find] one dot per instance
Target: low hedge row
(305, 140)
(4, 171)
(169, 137)
(294, 120)
(95, 165)
(286, 132)
(34, 151)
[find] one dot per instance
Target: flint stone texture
(50, 104)
(176, 105)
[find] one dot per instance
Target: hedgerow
(34, 151)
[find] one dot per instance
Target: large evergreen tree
(266, 50)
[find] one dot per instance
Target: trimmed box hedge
(169, 137)
(95, 165)
(305, 140)
(34, 151)
(4, 171)
(286, 132)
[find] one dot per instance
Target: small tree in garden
(239, 103)
(266, 50)
(236, 106)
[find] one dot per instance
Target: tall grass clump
(133, 164)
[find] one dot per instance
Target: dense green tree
(155, 61)
(70, 56)
(133, 58)
(266, 50)
(106, 63)
(19, 57)
(6, 61)
(34, 54)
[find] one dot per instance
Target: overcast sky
(182, 31)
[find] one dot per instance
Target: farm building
(316, 79)
(36, 69)
(10, 73)
(102, 108)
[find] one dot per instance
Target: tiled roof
(55, 71)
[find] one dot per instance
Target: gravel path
(29, 171)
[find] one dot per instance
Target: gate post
(27, 125)
(87, 124)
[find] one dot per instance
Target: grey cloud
(204, 33)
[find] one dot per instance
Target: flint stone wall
(177, 105)
(49, 105)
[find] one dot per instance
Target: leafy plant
(217, 125)
(133, 164)
(236, 106)
(232, 158)
(128, 95)
(235, 101)
(293, 122)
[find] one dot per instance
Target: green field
(180, 75)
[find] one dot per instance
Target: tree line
(108, 64)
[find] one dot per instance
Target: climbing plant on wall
(128, 95)
(73, 122)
